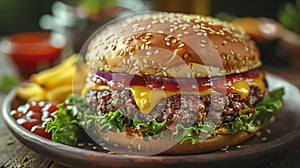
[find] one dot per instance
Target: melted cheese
(147, 99)
(242, 88)
(259, 81)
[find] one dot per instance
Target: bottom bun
(216, 143)
(122, 143)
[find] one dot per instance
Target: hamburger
(174, 83)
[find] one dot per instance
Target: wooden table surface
(13, 154)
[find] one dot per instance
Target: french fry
(59, 93)
(29, 90)
(53, 84)
(43, 77)
(39, 97)
(65, 78)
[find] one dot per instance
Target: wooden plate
(274, 140)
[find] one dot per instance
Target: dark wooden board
(13, 154)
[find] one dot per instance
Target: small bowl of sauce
(33, 51)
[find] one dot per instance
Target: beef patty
(191, 108)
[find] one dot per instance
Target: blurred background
(76, 20)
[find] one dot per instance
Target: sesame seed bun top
(172, 45)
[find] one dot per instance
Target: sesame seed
(165, 73)
(188, 74)
(224, 42)
(198, 75)
(162, 21)
(268, 131)
(180, 45)
(174, 41)
(148, 53)
(231, 52)
(264, 138)
(167, 39)
(156, 52)
(137, 47)
(129, 49)
(101, 57)
(202, 45)
(149, 26)
(205, 34)
(239, 146)
(128, 62)
(154, 21)
(185, 56)
(146, 47)
(145, 60)
(203, 41)
(179, 35)
(168, 43)
(259, 133)
(186, 32)
(238, 56)
(215, 46)
(147, 37)
(142, 29)
(169, 36)
(160, 32)
(135, 25)
(136, 68)
(196, 26)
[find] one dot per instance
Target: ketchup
(34, 115)
(172, 84)
(33, 51)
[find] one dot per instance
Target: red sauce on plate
(34, 115)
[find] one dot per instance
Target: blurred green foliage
(289, 16)
(96, 5)
(8, 82)
(225, 16)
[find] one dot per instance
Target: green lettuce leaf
(194, 133)
(264, 111)
(65, 124)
